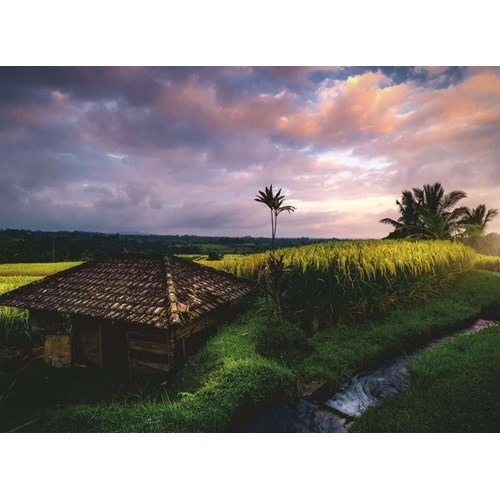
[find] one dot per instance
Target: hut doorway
(114, 348)
(87, 342)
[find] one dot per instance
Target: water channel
(335, 412)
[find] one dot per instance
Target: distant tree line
(19, 245)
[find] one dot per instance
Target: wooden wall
(97, 343)
(148, 349)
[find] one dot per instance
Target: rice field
(38, 269)
(337, 281)
(13, 321)
(487, 262)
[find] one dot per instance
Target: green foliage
(271, 279)
(341, 351)
(283, 341)
(479, 216)
(428, 213)
(37, 246)
(454, 388)
(214, 256)
(271, 276)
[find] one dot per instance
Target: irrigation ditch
(321, 407)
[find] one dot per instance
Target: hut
(129, 311)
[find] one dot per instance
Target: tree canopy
(429, 213)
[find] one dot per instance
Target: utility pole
(53, 250)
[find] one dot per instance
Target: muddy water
(335, 413)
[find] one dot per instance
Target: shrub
(282, 340)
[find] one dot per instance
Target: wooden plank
(164, 367)
(147, 335)
(156, 352)
(143, 343)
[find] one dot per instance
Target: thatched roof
(156, 290)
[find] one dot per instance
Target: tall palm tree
(273, 275)
(275, 204)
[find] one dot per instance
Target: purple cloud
(184, 150)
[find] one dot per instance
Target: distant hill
(19, 245)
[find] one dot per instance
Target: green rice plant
(14, 327)
(337, 281)
(487, 262)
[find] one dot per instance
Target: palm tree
(479, 217)
(409, 215)
(275, 204)
(441, 226)
(433, 200)
(428, 213)
(272, 277)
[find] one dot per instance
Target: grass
(234, 374)
(13, 321)
(454, 388)
(341, 351)
(221, 385)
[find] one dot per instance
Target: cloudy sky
(184, 150)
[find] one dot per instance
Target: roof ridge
(173, 310)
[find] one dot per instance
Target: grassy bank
(344, 350)
(224, 382)
(454, 388)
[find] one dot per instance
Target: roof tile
(139, 288)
